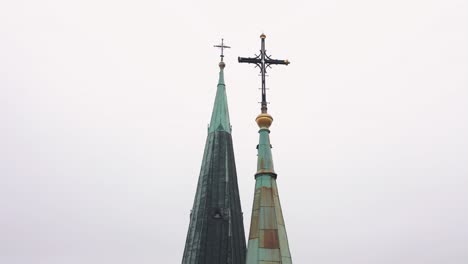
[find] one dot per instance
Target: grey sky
(104, 108)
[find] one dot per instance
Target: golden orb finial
(262, 36)
(264, 120)
(222, 65)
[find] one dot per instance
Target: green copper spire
(220, 115)
(268, 241)
(216, 230)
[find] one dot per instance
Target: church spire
(268, 241)
(216, 229)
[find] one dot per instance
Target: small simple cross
(222, 47)
(263, 61)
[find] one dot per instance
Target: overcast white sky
(104, 107)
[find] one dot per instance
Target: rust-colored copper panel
(262, 163)
(269, 238)
(267, 197)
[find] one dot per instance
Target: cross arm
(249, 60)
(270, 61)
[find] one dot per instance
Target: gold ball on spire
(222, 65)
(264, 120)
(262, 36)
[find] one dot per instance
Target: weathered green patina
(216, 230)
(220, 116)
(268, 241)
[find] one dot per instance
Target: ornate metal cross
(222, 47)
(263, 61)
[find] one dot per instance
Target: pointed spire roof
(268, 241)
(216, 230)
(220, 116)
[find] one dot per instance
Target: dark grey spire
(216, 230)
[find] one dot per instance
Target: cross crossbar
(263, 61)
